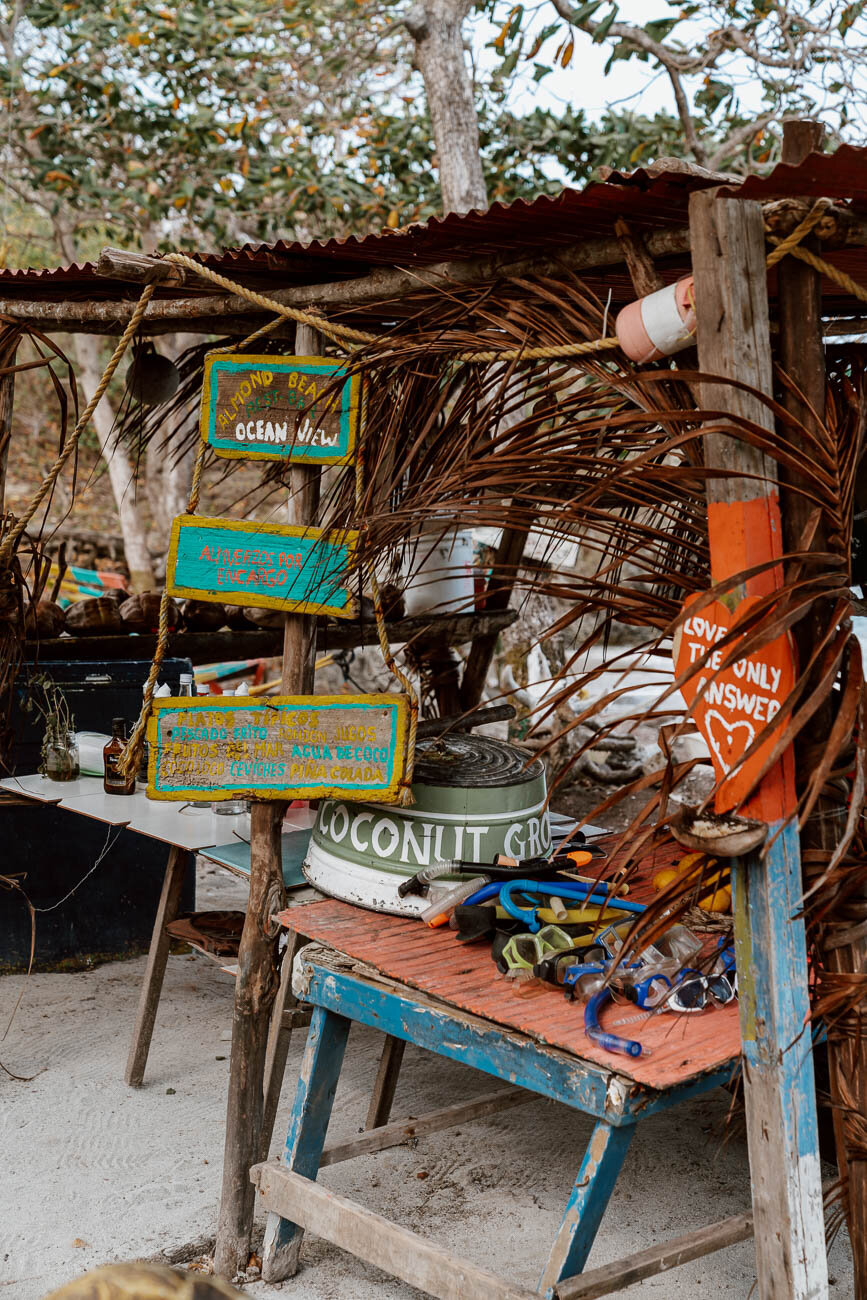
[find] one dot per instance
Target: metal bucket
(474, 797)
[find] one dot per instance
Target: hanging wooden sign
(350, 747)
(733, 706)
(277, 566)
(280, 408)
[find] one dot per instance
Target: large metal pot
(474, 797)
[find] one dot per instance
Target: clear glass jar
(61, 759)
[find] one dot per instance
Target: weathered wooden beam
(611, 1278)
(728, 256)
(498, 593)
(644, 275)
(211, 647)
(378, 1241)
(405, 1130)
(257, 985)
(140, 268)
(9, 339)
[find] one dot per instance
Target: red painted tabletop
(464, 976)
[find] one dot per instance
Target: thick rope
(336, 332)
(405, 798)
(339, 333)
(72, 441)
(791, 246)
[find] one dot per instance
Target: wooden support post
(386, 1082)
(258, 979)
(149, 998)
(728, 251)
(504, 574)
(9, 339)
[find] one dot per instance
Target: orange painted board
(464, 976)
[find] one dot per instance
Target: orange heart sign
(732, 706)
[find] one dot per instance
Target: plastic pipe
(600, 1036)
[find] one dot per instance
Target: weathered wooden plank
(588, 1200)
(294, 569)
(8, 346)
(272, 408)
(385, 1083)
(286, 1015)
(255, 991)
(611, 1278)
(404, 1130)
(297, 747)
(378, 1241)
(149, 997)
(745, 529)
(311, 1111)
(501, 583)
(211, 647)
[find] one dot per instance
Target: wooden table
(421, 986)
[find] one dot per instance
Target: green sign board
(279, 747)
(278, 566)
(280, 408)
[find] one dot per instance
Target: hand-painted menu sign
(276, 408)
(283, 747)
(301, 570)
(733, 706)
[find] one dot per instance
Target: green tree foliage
(805, 57)
(209, 123)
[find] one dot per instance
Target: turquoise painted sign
(277, 566)
(279, 747)
(280, 408)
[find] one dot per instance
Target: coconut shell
(98, 616)
(264, 617)
(45, 620)
(141, 612)
(203, 615)
(237, 619)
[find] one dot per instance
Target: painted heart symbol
(721, 734)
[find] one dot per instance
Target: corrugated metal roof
(647, 198)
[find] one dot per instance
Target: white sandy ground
(93, 1171)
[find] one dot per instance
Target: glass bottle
(61, 760)
(114, 782)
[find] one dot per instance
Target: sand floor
(94, 1171)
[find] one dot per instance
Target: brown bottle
(114, 782)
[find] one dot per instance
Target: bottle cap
(118, 722)
(186, 679)
(243, 689)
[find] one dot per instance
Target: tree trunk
(169, 463)
(436, 27)
(120, 470)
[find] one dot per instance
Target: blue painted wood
(771, 955)
(587, 1203)
(314, 1097)
(500, 1052)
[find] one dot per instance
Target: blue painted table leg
(590, 1195)
(314, 1097)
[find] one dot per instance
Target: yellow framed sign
(280, 408)
(274, 566)
(350, 747)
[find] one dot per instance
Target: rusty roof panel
(649, 198)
